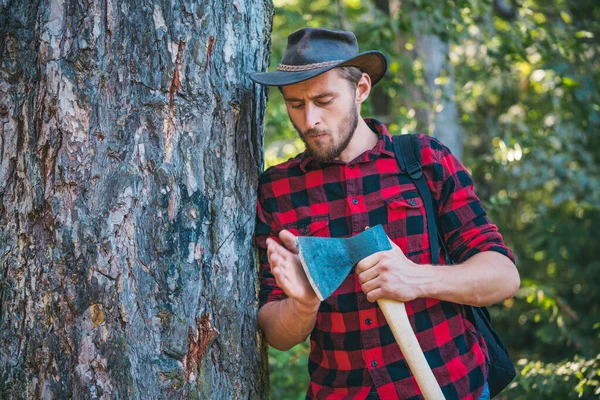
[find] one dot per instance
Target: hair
(350, 73)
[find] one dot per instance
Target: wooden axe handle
(395, 314)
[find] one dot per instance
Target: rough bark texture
(131, 143)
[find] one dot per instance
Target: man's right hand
(288, 272)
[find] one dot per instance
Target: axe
(328, 261)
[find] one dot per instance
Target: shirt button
(412, 202)
(351, 166)
(374, 363)
(368, 321)
(304, 231)
(355, 201)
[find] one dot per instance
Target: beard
(332, 145)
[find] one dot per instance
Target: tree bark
(441, 116)
(131, 144)
(379, 97)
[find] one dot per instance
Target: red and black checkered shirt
(352, 347)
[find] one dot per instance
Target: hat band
(307, 67)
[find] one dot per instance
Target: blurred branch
(383, 5)
(340, 14)
(564, 307)
(506, 9)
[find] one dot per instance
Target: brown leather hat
(313, 51)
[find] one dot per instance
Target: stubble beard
(332, 149)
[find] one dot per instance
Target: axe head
(328, 261)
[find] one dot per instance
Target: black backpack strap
(408, 154)
(501, 370)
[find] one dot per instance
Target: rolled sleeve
(463, 219)
(268, 291)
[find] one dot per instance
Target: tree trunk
(379, 97)
(130, 150)
(441, 116)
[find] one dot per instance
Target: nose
(312, 115)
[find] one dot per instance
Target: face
(324, 111)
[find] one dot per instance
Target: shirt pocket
(407, 222)
(317, 225)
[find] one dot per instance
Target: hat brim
(371, 62)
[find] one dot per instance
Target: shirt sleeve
(268, 291)
(462, 218)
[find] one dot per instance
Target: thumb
(289, 240)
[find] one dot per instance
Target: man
(346, 180)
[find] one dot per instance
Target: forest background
(512, 88)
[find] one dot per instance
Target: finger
(271, 253)
(275, 248)
(281, 268)
(281, 278)
(273, 243)
(375, 294)
(368, 275)
(289, 240)
(370, 285)
(368, 262)
(273, 260)
(271, 247)
(284, 254)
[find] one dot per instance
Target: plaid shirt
(352, 347)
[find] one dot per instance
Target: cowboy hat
(313, 51)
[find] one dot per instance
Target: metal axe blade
(328, 261)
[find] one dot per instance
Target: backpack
(500, 369)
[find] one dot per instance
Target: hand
(391, 275)
(288, 272)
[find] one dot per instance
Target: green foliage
(579, 378)
(526, 88)
(289, 372)
(533, 96)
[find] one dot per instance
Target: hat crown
(318, 45)
(314, 51)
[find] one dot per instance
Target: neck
(363, 139)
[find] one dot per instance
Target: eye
(297, 106)
(324, 103)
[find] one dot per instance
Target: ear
(363, 88)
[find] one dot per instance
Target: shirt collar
(383, 146)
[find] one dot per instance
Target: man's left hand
(391, 275)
